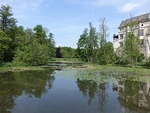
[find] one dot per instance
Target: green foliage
(23, 46)
(32, 54)
(40, 34)
(6, 19)
(105, 54)
(51, 45)
(93, 46)
(88, 44)
(4, 44)
(7, 25)
(132, 48)
(68, 52)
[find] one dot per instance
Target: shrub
(32, 54)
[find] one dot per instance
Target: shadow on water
(13, 85)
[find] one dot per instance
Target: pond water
(61, 91)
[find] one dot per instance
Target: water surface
(56, 91)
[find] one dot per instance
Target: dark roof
(141, 18)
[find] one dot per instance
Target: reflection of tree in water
(88, 88)
(13, 85)
(102, 95)
(93, 89)
(134, 94)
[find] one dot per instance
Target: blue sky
(68, 18)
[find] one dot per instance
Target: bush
(32, 54)
(148, 62)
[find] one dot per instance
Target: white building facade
(141, 29)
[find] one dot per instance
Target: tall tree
(132, 44)
(4, 45)
(51, 45)
(83, 46)
(105, 49)
(103, 32)
(92, 43)
(8, 26)
(40, 34)
(132, 48)
(6, 18)
(88, 44)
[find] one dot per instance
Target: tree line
(23, 46)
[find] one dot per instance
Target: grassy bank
(66, 59)
(117, 68)
(20, 68)
(104, 73)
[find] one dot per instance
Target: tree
(92, 43)
(4, 44)
(6, 19)
(32, 54)
(40, 34)
(132, 44)
(68, 52)
(59, 52)
(105, 55)
(51, 45)
(132, 48)
(36, 47)
(88, 44)
(82, 46)
(105, 51)
(103, 32)
(8, 26)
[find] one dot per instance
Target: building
(141, 29)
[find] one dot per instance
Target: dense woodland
(35, 46)
(23, 46)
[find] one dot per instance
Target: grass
(137, 69)
(20, 68)
(66, 59)
(103, 73)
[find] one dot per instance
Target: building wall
(142, 30)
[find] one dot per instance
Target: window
(142, 43)
(121, 36)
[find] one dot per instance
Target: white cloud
(124, 6)
(128, 7)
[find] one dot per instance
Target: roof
(141, 18)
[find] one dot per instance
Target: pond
(62, 91)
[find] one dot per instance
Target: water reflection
(92, 90)
(12, 85)
(134, 94)
(131, 93)
(46, 92)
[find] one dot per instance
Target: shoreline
(21, 69)
(108, 68)
(118, 68)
